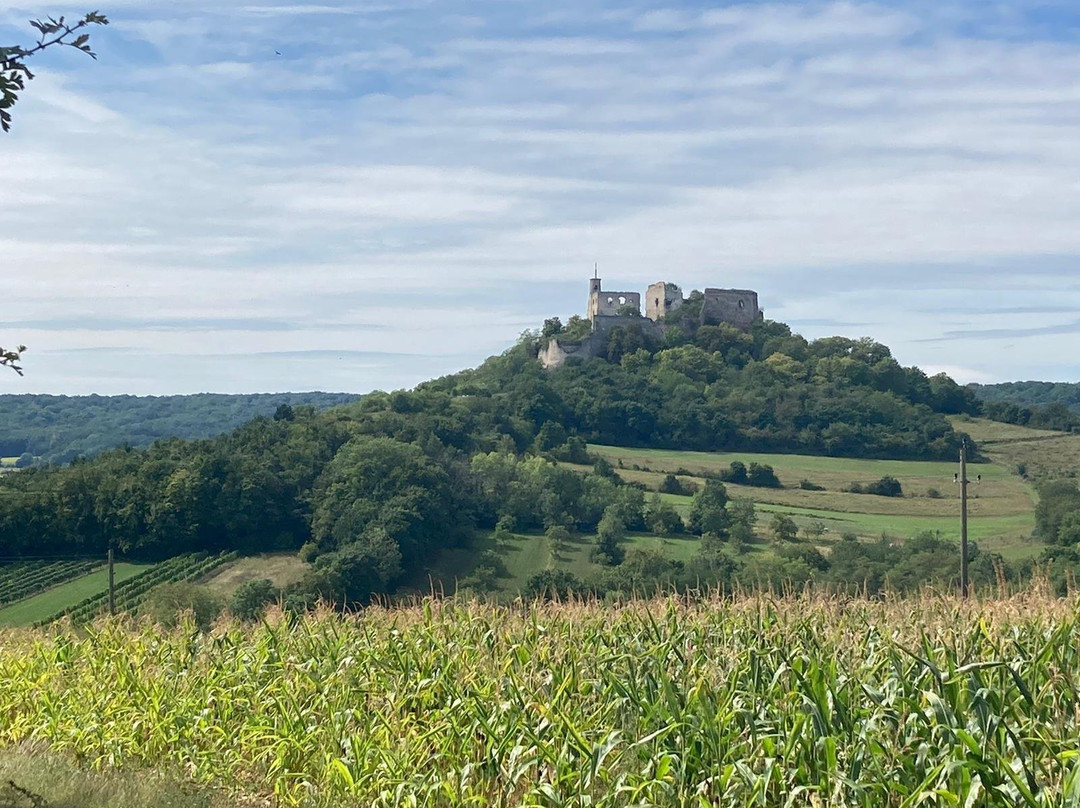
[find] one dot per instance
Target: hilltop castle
(607, 310)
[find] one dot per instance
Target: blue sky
(411, 184)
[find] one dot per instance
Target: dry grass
(34, 770)
(281, 569)
(1044, 455)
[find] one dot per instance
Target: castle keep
(607, 310)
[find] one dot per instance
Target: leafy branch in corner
(13, 70)
(11, 358)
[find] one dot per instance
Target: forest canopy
(373, 490)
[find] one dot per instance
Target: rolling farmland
(1001, 505)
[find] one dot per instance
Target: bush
(806, 485)
(309, 551)
(250, 599)
(672, 485)
(167, 603)
(552, 584)
(784, 528)
(762, 476)
(662, 518)
(885, 487)
(933, 493)
(736, 474)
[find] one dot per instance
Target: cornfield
(754, 701)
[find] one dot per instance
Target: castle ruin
(607, 310)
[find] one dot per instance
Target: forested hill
(1046, 405)
(55, 429)
(375, 489)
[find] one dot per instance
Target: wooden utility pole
(112, 585)
(963, 521)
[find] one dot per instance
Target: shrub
(885, 487)
(250, 599)
(933, 493)
(762, 476)
(671, 485)
(552, 584)
(806, 485)
(168, 602)
(783, 528)
(737, 473)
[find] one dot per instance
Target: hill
(447, 478)
(1043, 405)
(54, 429)
(1031, 393)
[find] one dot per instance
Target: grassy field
(1001, 506)
(720, 702)
(26, 612)
(525, 554)
(281, 569)
(1042, 455)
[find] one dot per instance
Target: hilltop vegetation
(55, 429)
(374, 492)
(1041, 405)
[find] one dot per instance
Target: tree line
(374, 490)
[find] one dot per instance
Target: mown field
(39, 607)
(1001, 505)
(1038, 453)
(525, 554)
(755, 701)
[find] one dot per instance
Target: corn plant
(750, 701)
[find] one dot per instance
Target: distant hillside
(1031, 394)
(1044, 405)
(58, 428)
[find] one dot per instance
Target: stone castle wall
(739, 307)
(736, 306)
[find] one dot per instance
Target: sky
(360, 195)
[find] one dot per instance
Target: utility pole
(963, 520)
(112, 585)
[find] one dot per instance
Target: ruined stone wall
(607, 304)
(556, 353)
(736, 306)
(661, 299)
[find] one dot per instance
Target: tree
(662, 518)
(13, 77)
(784, 528)
(708, 512)
(559, 538)
(609, 533)
(168, 602)
(13, 70)
(250, 599)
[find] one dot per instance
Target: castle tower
(594, 296)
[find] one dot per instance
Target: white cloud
(839, 157)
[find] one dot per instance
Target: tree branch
(11, 358)
(14, 73)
